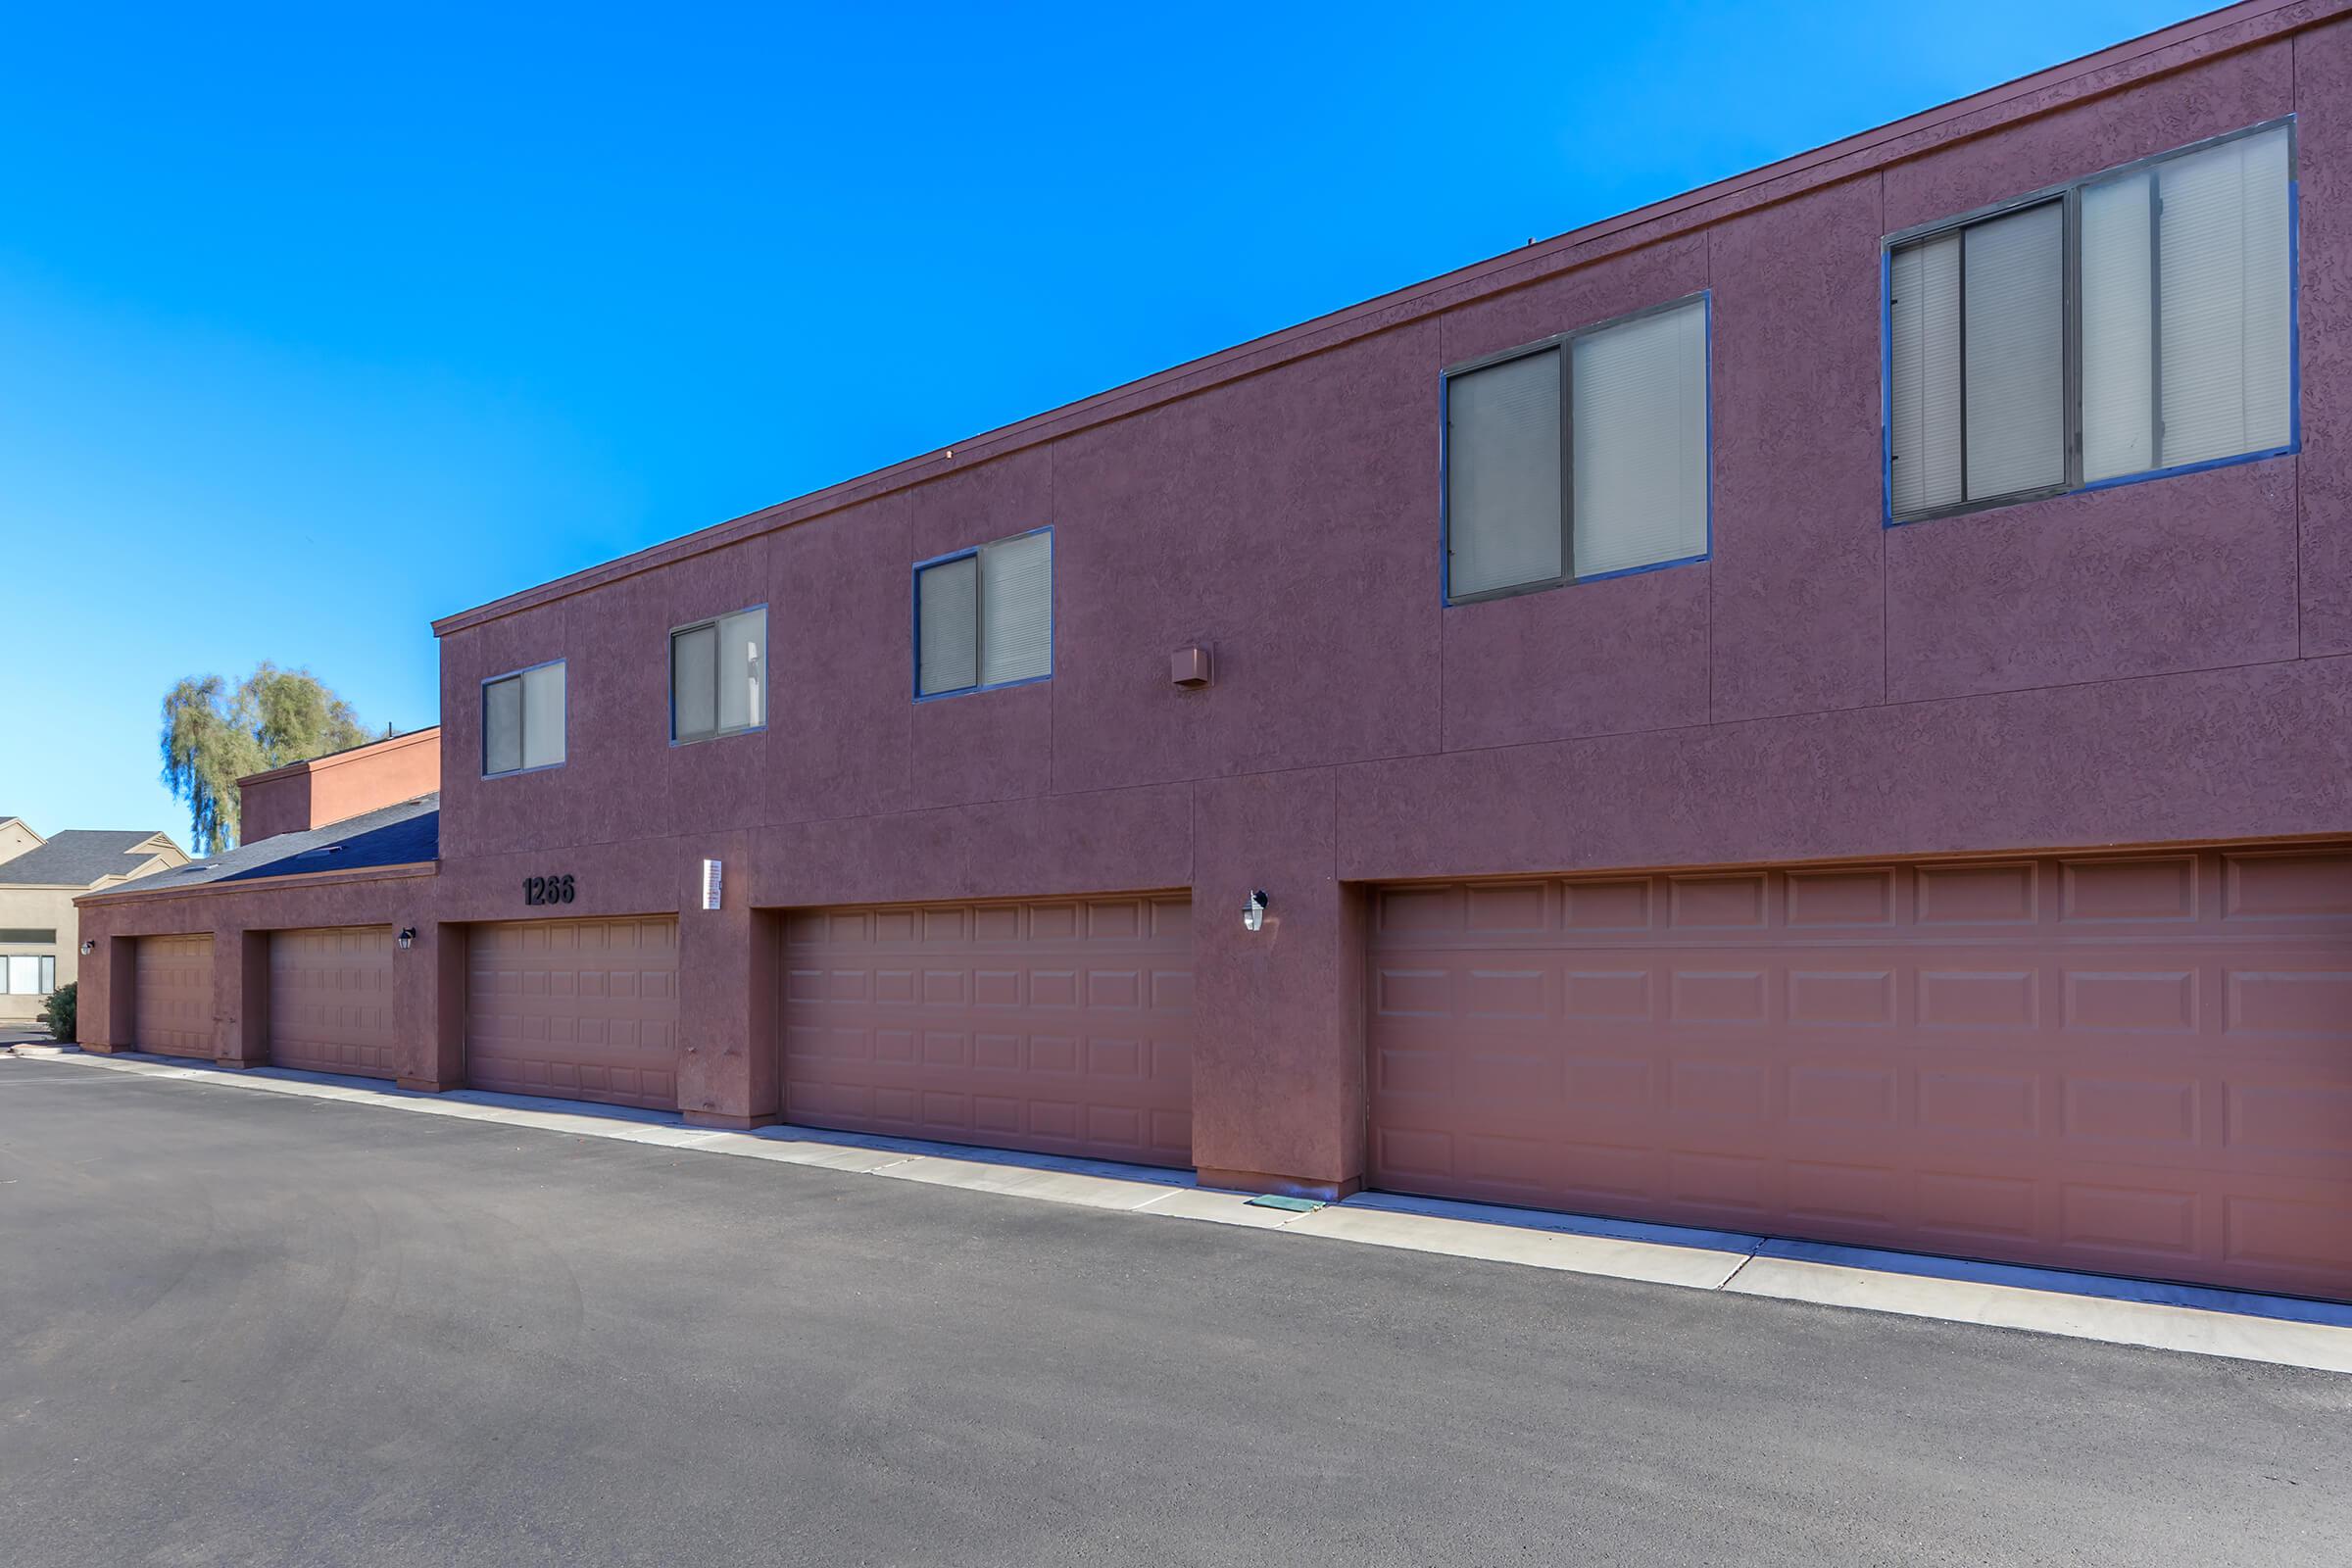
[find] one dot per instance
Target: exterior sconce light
(407, 938)
(1253, 912)
(88, 948)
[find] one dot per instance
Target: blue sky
(318, 323)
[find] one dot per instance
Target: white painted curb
(2276, 1330)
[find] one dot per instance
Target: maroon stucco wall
(2157, 663)
(334, 789)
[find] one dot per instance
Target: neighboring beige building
(16, 838)
(39, 879)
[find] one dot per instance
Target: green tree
(214, 736)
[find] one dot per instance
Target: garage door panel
(1059, 1025)
(330, 1001)
(2132, 1064)
(575, 1009)
(171, 999)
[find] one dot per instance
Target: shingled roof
(392, 835)
(80, 856)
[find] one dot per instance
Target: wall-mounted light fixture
(88, 948)
(1253, 912)
(407, 938)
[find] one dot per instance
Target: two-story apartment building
(1817, 707)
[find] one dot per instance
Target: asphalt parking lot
(259, 1329)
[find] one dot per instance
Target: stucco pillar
(428, 1005)
(106, 1015)
(1278, 1052)
(241, 998)
(727, 1068)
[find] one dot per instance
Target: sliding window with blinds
(985, 617)
(522, 720)
(719, 677)
(2128, 325)
(1581, 457)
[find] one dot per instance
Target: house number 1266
(547, 890)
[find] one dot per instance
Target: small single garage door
(2137, 1065)
(171, 987)
(580, 1009)
(1059, 1025)
(330, 1001)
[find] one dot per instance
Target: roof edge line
(132, 893)
(313, 764)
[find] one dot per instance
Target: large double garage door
(2137, 1065)
(1061, 1025)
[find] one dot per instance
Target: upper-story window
(2136, 323)
(1582, 455)
(985, 617)
(719, 676)
(522, 720)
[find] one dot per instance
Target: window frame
(2070, 193)
(40, 961)
(670, 676)
(915, 608)
(1562, 341)
(489, 681)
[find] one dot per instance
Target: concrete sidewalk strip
(2282, 1332)
(1057, 1187)
(1699, 1267)
(2324, 1346)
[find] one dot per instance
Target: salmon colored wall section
(2159, 662)
(338, 788)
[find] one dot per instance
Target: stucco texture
(2158, 663)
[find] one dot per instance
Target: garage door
(1062, 1026)
(330, 1001)
(2129, 1065)
(173, 994)
(580, 1009)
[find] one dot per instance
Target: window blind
(2013, 351)
(1639, 443)
(742, 655)
(2224, 354)
(1016, 608)
(946, 626)
(502, 726)
(2119, 309)
(1924, 325)
(1502, 475)
(542, 715)
(694, 682)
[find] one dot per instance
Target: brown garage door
(2134, 1065)
(1060, 1025)
(330, 1001)
(173, 994)
(580, 1009)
